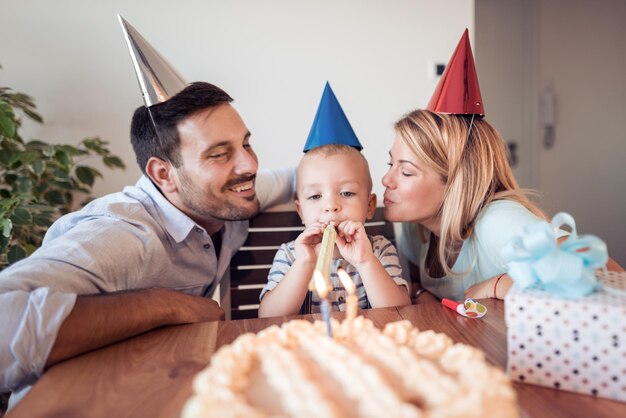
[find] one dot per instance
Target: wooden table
(150, 375)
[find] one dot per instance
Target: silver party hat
(158, 81)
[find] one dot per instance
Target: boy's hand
(353, 243)
(307, 241)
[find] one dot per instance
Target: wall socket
(435, 69)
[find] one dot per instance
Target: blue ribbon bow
(535, 258)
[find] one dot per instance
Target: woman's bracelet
(419, 292)
(495, 286)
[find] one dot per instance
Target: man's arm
(97, 321)
(43, 327)
(99, 254)
(29, 321)
(275, 187)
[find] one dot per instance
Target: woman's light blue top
(480, 258)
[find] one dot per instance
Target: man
(148, 256)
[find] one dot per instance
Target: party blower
(469, 309)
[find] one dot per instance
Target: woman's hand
(496, 288)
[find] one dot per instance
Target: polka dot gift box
(566, 326)
(576, 345)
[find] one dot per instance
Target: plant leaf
(7, 227)
(43, 219)
(30, 248)
(27, 157)
(85, 175)
(96, 173)
(7, 126)
(39, 207)
(95, 145)
(33, 115)
(62, 184)
(113, 162)
(63, 158)
(49, 151)
(16, 253)
(23, 184)
(21, 217)
(6, 157)
(70, 149)
(38, 167)
(54, 197)
(36, 144)
(61, 174)
(38, 180)
(7, 120)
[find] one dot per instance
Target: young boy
(334, 186)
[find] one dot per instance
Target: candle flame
(347, 282)
(320, 284)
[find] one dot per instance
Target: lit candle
(322, 292)
(352, 302)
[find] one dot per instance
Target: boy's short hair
(334, 149)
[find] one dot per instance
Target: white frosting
(296, 370)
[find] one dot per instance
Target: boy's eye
(347, 194)
(314, 197)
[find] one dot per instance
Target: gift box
(570, 344)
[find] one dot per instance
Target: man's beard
(208, 205)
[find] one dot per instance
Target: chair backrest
(251, 264)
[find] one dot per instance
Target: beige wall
(272, 56)
(507, 74)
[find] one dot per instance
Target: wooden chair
(251, 264)
(4, 403)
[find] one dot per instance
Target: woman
(449, 176)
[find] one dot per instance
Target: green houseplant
(39, 181)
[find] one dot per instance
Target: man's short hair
(165, 144)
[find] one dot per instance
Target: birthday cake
(296, 370)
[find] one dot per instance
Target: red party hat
(458, 92)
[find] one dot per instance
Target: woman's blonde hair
(471, 158)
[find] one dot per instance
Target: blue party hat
(331, 125)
